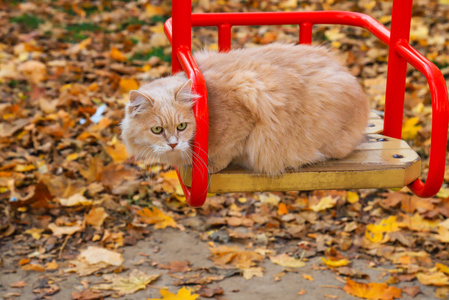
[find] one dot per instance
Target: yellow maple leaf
(375, 233)
(335, 263)
(410, 129)
(371, 290)
(183, 294)
(156, 217)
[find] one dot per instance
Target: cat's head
(159, 124)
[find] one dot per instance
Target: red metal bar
(305, 33)
(397, 68)
(224, 37)
(440, 122)
(182, 30)
(292, 18)
(196, 195)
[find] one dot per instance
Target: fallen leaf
(371, 290)
(125, 285)
(96, 217)
(287, 261)
(282, 209)
(251, 272)
(33, 267)
(65, 230)
(324, 203)
(241, 258)
(156, 217)
(182, 294)
(19, 284)
(35, 233)
(177, 266)
(34, 71)
(435, 278)
(418, 223)
(94, 255)
(53, 265)
(412, 291)
(335, 263)
(410, 128)
(308, 277)
(74, 200)
(128, 84)
(117, 54)
(352, 197)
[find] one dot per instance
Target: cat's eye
(182, 126)
(157, 129)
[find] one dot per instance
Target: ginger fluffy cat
(270, 108)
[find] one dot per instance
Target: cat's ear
(184, 93)
(136, 96)
(137, 102)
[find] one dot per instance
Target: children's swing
(383, 161)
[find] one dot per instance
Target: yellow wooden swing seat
(379, 162)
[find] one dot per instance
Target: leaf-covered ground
(80, 219)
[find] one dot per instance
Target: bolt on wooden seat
(379, 162)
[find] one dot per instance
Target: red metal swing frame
(178, 31)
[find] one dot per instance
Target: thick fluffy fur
(270, 108)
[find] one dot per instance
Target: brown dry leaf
(89, 295)
(412, 291)
(83, 268)
(19, 284)
(34, 71)
(74, 200)
(371, 290)
(287, 261)
(418, 223)
(96, 217)
(124, 285)
(251, 272)
(53, 265)
(95, 255)
(65, 230)
(156, 217)
(241, 258)
(177, 266)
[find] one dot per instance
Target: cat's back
(275, 56)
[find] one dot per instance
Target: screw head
(398, 156)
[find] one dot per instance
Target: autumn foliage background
(72, 202)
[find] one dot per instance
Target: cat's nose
(173, 145)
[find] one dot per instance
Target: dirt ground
(165, 246)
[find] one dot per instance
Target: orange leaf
(96, 217)
(235, 255)
(24, 261)
(128, 84)
(33, 267)
(157, 217)
(282, 209)
(371, 290)
(117, 54)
